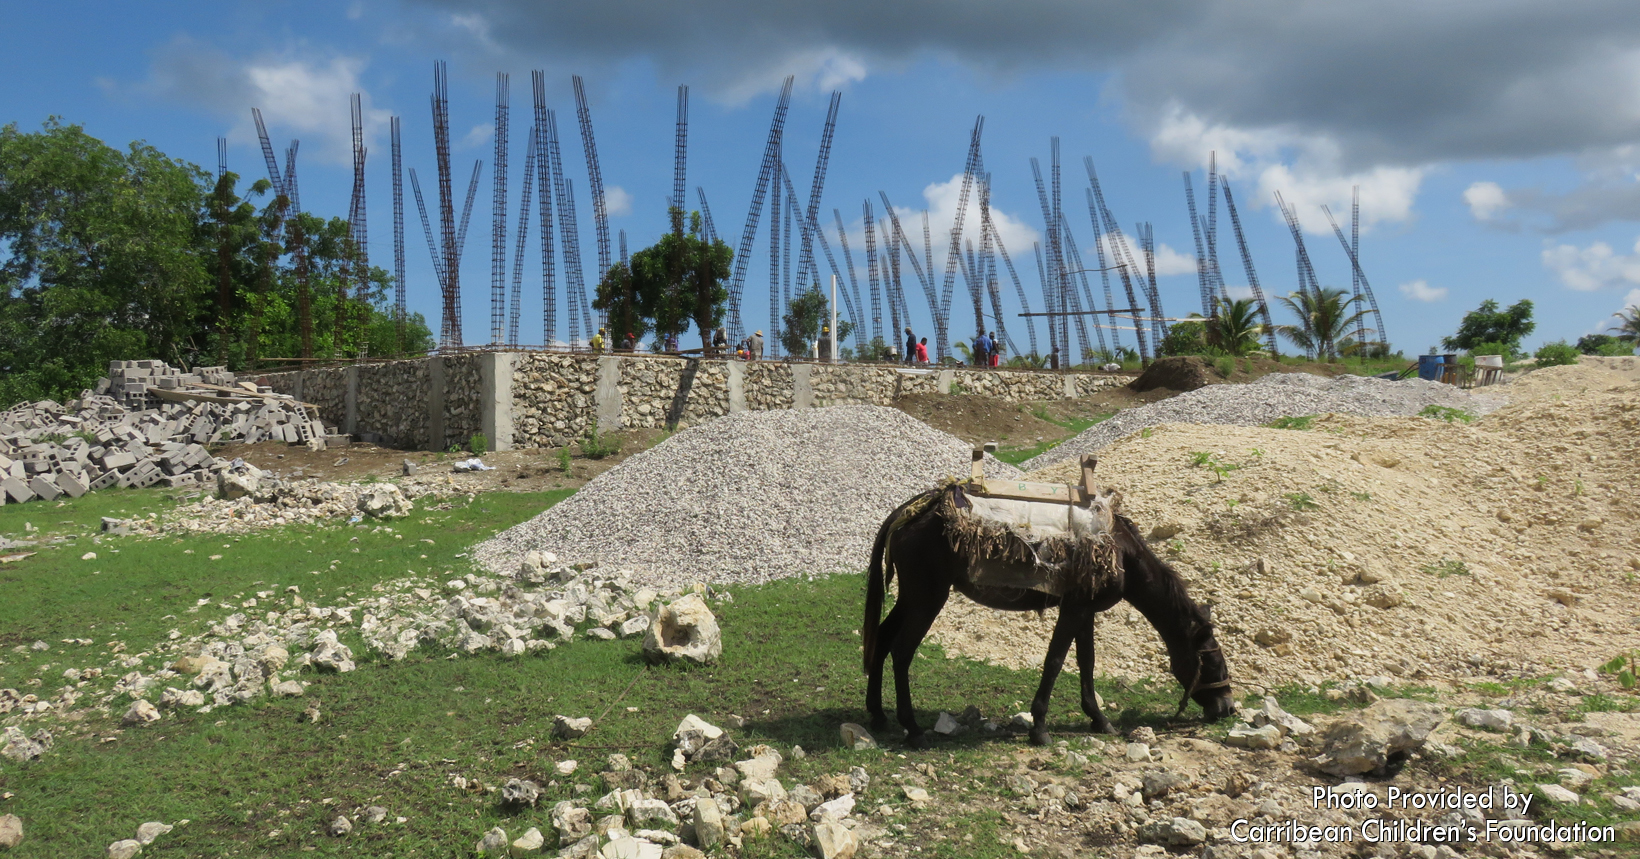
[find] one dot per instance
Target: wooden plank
(1025, 491)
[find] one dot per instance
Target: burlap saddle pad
(1044, 546)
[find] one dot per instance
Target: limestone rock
(856, 737)
(708, 823)
(341, 827)
(125, 849)
(833, 841)
(1174, 832)
(1248, 737)
(1378, 736)
(289, 689)
(1272, 714)
(1559, 795)
(11, 831)
(684, 630)
(529, 843)
(494, 843)
(328, 653)
(520, 792)
(140, 713)
(1491, 720)
(151, 830)
(567, 728)
(383, 501)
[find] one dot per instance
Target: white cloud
(1170, 261)
(941, 197)
(1307, 169)
(1486, 200)
(302, 96)
(1420, 290)
(1594, 267)
(617, 201)
(477, 136)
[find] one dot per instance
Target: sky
(1493, 143)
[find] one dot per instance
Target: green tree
(1185, 337)
(101, 258)
(1324, 322)
(1234, 327)
(1487, 324)
(1628, 327)
(679, 279)
(804, 317)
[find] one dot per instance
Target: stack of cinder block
(122, 434)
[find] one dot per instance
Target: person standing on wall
(757, 346)
(922, 351)
(720, 341)
(825, 343)
(996, 350)
(597, 342)
(910, 346)
(982, 350)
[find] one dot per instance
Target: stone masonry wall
(555, 398)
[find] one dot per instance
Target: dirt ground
(533, 470)
(980, 419)
(1367, 546)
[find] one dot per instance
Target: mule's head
(1199, 665)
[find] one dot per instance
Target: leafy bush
(1184, 338)
(479, 444)
(1556, 354)
(1446, 568)
(1302, 422)
(1446, 414)
(1301, 501)
(1625, 668)
(563, 459)
(594, 446)
(1225, 365)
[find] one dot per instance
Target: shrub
(1556, 354)
(1184, 338)
(593, 446)
(1225, 365)
(1446, 414)
(479, 444)
(563, 459)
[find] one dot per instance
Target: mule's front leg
(914, 624)
(1084, 666)
(1063, 633)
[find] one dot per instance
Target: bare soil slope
(1409, 547)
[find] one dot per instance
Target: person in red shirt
(922, 351)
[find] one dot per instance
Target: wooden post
(978, 472)
(1088, 463)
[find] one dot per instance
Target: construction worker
(982, 350)
(910, 345)
(922, 351)
(757, 345)
(597, 342)
(720, 341)
(996, 349)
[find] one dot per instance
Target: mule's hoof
(918, 740)
(1039, 738)
(1102, 726)
(879, 722)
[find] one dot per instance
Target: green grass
(394, 734)
(139, 588)
(1302, 422)
(1072, 426)
(1446, 568)
(1449, 415)
(1301, 501)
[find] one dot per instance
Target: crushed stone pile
(747, 498)
(1276, 396)
(1362, 547)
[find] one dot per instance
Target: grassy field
(257, 779)
(1072, 425)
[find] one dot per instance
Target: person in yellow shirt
(597, 341)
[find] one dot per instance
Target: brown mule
(929, 568)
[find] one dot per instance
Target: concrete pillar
(435, 403)
(607, 396)
(802, 391)
(945, 380)
(495, 409)
(737, 386)
(350, 401)
(1070, 386)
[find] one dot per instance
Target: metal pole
(836, 349)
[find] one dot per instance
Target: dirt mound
(1179, 373)
(1364, 546)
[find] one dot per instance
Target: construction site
(562, 592)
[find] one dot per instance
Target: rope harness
(1195, 680)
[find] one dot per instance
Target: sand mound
(1395, 546)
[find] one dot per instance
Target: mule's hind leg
(914, 624)
(887, 633)
(1084, 666)
(1064, 631)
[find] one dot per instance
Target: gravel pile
(746, 498)
(1277, 396)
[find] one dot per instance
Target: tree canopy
(666, 286)
(1486, 324)
(110, 255)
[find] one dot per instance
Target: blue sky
(1492, 141)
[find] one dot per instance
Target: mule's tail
(881, 571)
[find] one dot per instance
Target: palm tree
(1629, 331)
(1233, 327)
(1324, 320)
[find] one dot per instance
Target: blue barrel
(1429, 367)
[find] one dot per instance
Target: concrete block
(45, 487)
(118, 460)
(72, 485)
(17, 492)
(104, 480)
